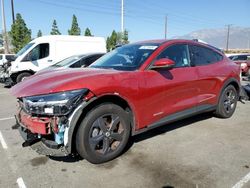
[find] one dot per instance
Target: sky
(144, 19)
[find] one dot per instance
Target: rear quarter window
(203, 56)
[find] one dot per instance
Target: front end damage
(47, 122)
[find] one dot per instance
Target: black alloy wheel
(103, 133)
(227, 102)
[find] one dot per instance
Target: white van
(47, 50)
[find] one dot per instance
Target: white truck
(47, 50)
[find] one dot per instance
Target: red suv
(130, 90)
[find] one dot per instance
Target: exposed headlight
(54, 104)
(243, 65)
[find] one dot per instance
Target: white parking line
(3, 141)
(8, 118)
(2, 93)
(20, 183)
(243, 181)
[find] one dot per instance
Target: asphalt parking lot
(201, 151)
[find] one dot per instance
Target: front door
(169, 91)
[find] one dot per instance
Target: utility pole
(122, 16)
(12, 10)
(5, 37)
(228, 32)
(166, 26)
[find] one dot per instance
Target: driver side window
(179, 53)
(39, 52)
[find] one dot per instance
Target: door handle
(50, 60)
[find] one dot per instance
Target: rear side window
(1, 57)
(203, 56)
(76, 64)
(178, 53)
(9, 57)
(240, 58)
(91, 60)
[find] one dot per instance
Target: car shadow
(144, 136)
(166, 128)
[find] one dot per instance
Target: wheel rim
(229, 101)
(106, 134)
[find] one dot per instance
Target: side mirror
(163, 63)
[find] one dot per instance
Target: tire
(103, 133)
(22, 76)
(227, 102)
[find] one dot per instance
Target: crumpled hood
(62, 80)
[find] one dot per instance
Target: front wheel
(227, 102)
(22, 77)
(103, 133)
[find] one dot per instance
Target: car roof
(162, 41)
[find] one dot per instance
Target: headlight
(243, 65)
(54, 104)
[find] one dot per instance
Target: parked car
(130, 90)
(47, 50)
(4, 58)
(244, 61)
(75, 61)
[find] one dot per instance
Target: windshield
(68, 61)
(24, 49)
(129, 57)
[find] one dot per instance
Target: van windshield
(24, 49)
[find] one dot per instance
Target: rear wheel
(103, 133)
(22, 76)
(227, 102)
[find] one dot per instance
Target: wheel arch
(231, 81)
(14, 75)
(108, 98)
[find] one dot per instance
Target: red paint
(34, 124)
(151, 94)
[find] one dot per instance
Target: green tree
(87, 32)
(39, 33)
(125, 37)
(75, 29)
(116, 38)
(111, 41)
(55, 30)
(20, 34)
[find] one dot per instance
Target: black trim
(177, 116)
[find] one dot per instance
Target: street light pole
(5, 37)
(12, 10)
(122, 16)
(166, 26)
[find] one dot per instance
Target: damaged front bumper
(40, 144)
(38, 135)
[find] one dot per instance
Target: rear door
(210, 69)
(170, 91)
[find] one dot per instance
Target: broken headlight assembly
(55, 104)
